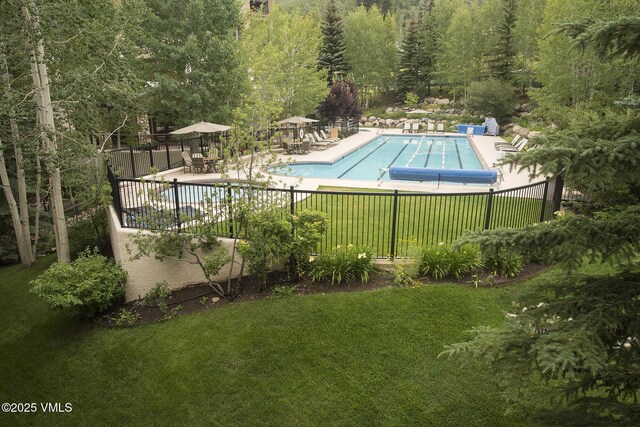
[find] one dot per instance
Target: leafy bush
(503, 262)
(157, 294)
(269, 242)
(411, 99)
(344, 264)
(493, 97)
(90, 284)
(309, 228)
(443, 261)
(90, 232)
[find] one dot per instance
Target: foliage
(158, 293)
(444, 261)
(503, 262)
(192, 61)
(269, 242)
(89, 285)
(343, 264)
(126, 317)
(502, 60)
(91, 232)
(283, 291)
(405, 273)
(492, 97)
(411, 99)
(194, 241)
(341, 102)
(332, 51)
(309, 227)
(372, 68)
(281, 51)
(618, 37)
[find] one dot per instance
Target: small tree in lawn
(332, 49)
(342, 102)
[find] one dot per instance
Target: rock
(429, 100)
(453, 122)
(389, 110)
(368, 124)
(517, 129)
(534, 134)
(215, 299)
(389, 122)
(372, 118)
(443, 101)
(403, 119)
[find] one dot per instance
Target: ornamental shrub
(492, 96)
(88, 285)
(343, 264)
(444, 261)
(503, 262)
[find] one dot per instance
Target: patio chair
(286, 147)
(196, 156)
(306, 146)
(326, 138)
(469, 130)
(415, 128)
(317, 142)
(187, 161)
(198, 163)
(519, 147)
(431, 127)
(513, 143)
(406, 128)
(440, 128)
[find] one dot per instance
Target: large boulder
(443, 101)
(389, 110)
(372, 118)
(368, 124)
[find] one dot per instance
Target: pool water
(365, 163)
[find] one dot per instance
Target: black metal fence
(388, 223)
(134, 162)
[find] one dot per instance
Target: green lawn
(366, 220)
(362, 358)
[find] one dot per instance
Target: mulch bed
(197, 298)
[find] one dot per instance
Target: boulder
(368, 124)
(534, 134)
(372, 118)
(443, 101)
(389, 110)
(517, 129)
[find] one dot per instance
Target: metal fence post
(151, 155)
(487, 217)
(176, 195)
(557, 193)
(230, 210)
(133, 163)
(168, 156)
(292, 207)
(544, 200)
(115, 193)
(394, 224)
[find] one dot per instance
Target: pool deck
(484, 147)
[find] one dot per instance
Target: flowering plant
(343, 264)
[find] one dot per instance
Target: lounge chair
(523, 143)
(326, 138)
(187, 161)
(431, 127)
(407, 127)
(415, 128)
(318, 138)
(198, 163)
(469, 130)
(318, 143)
(513, 143)
(440, 128)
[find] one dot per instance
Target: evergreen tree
(333, 49)
(578, 328)
(501, 64)
(409, 73)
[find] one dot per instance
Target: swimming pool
(365, 163)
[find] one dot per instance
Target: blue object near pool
(477, 129)
(465, 176)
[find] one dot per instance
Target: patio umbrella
(201, 127)
(297, 120)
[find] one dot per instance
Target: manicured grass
(362, 358)
(366, 219)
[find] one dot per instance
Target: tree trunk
(23, 206)
(39, 75)
(25, 255)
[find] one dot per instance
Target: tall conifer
(333, 48)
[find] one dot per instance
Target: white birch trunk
(39, 75)
(20, 175)
(25, 255)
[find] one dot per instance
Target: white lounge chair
(469, 130)
(431, 127)
(317, 142)
(326, 138)
(406, 128)
(513, 143)
(415, 128)
(519, 147)
(440, 128)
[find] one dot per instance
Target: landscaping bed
(200, 297)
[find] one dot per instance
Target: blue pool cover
(466, 176)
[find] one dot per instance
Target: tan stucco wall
(146, 272)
